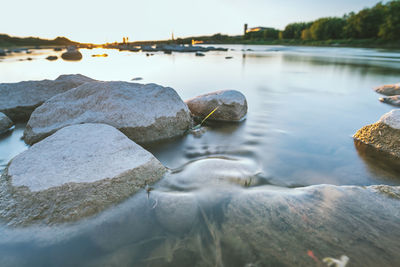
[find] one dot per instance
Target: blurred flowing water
(308, 179)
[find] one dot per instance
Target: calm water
(295, 147)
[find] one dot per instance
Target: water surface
(304, 106)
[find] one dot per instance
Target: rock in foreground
(389, 89)
(18, 100)
(5, 123)
(76, 172)
(384, 135)
(232, 105)
(144, 112)
(391, 100)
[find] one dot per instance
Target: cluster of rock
(188, 48)
(392, 93)
(384, 135)
(166, 48)
(84, 135)
(72, 53)
(4, 52)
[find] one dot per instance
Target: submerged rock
(5, 123)
(143, 112)
(232, 105)
(176, 212)
(215, 172)
(77, 172)
(72, 54)
(18, 100)
(282, 227)
(384, 135)
(392, 100)
(389, 89)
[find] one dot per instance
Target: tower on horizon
(245, 29)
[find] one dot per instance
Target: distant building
(261, 33)
(245, 29)
(258, 29)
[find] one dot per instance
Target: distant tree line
(379, 22)
(9, 41)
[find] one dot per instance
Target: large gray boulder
(232, 105)
(76, 172)
(384, 135)
(389, 89)
(143, 112)
(391, 100)
(18, 100)
(5, 123)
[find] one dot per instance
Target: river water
(310, 193)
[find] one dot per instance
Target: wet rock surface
(231, 104)
(389, 89)
(175, 211)
(384, 135)
(5, 122)
(391, 100)
(269, 227)
(75, 173)
(18, 100)
(143, 112)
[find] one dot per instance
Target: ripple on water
(214, 172)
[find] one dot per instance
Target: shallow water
(304, 106)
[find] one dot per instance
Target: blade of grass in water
(208, 115)
(199, 125)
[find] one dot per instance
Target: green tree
(366, 23)
(327, 28)
(390, 28)
(294, 30)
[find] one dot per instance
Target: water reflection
(379, 162)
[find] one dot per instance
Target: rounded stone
(77, 172)
(231, 105)
(143, 112)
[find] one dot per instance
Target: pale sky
(107, 21)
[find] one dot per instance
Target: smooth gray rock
(389, 89)
(392, 119)
(72, 53)
(77, 172)
(5, 122)
(51, 58)
(143, 112)
(232, 105)
(18, 100)
(391, 100)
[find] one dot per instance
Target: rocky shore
(84, 133)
